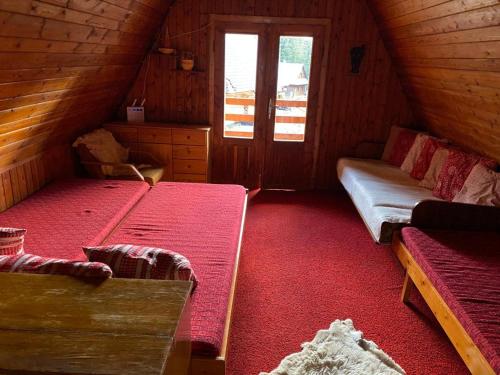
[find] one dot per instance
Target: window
(240, 80)
(293, 88)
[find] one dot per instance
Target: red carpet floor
(307, 259)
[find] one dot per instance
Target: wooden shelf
(188, 71)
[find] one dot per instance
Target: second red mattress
(203, 223)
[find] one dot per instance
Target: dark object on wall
(357, 54)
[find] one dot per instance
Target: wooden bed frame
(415, 276)
(74, 292)
(217, 366)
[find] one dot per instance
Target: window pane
(240, 85)
(293, 88)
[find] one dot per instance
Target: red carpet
(307, 259)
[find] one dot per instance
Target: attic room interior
(237, 187)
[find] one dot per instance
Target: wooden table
(62, 325)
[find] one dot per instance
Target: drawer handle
(188, 137)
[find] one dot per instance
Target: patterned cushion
(389, 145)
(404, 141)
(438, 159)
(423, 162)
(414, 153)
(28, 263)
(140, 262)
(481, 187)
(11, 241)
(455, 171)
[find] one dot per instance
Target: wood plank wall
(65, 66)
(24, 178)
(358, 107)
(448, 56)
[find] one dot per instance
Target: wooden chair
(142, 166)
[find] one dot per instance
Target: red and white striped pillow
(481, 187)
(414, 152)
(139, 262)
(401, 146)
(455, 171)
(11, 241)
(28, 263)
(425, 158)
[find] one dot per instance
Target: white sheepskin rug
(340, 350)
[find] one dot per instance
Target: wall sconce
(357, 54)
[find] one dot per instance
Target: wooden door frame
(215, 19)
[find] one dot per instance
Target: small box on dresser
(183, 149)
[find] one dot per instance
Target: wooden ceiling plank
(448, 58)
(443, 9)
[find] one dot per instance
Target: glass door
(294, 90)
(266, 102)
(239, 103)
(240, 84)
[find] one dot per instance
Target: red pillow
(455, 171)
(424, 159)
(11, 241)
(402, 146)
(139, 262)
(27, 263)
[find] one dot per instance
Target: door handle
(270, 108)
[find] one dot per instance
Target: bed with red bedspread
(202, 222)
(464, 267)
(69, 214)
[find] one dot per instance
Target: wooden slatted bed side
(20, 179)
(415, 276)
(59, 324)
(217, 366)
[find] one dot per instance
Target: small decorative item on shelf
(167, 51)
(166, 43)
(187, 61)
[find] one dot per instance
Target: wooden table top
(62, 325)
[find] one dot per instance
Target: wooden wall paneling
(446, 53)
(3, 201)
(357, 107)
(16, 152)
(65, 66)
(7, 190)
(22, 179)
(14, 183)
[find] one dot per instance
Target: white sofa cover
(383, 194)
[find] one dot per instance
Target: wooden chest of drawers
(184, 150)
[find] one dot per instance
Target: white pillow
(432, 174)
(482, 186)
(103, 146)
(414, 153)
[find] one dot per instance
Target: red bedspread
(203, 223)
(69, 214)
(465, 269)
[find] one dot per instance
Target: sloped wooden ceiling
(65, 66)
(448, 57)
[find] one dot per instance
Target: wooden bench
(437, 215)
